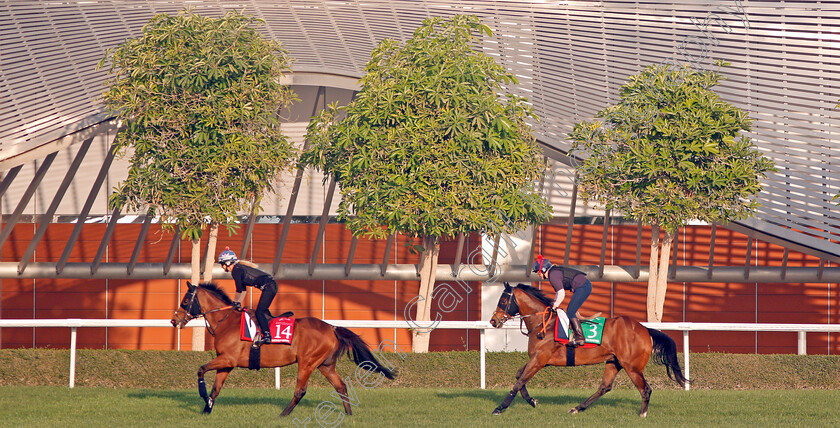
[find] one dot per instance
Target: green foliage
(671, 151)
(429, 147)
(199, 97)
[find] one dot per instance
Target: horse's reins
(188, 317)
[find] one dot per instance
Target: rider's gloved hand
(237, 306)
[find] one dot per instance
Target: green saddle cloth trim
(592, 330)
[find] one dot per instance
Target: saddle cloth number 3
(590, 331)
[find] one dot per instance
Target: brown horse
(315, 345)
(624, 344)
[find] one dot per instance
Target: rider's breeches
(263, 314)
(578, 297)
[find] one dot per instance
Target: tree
(200, 98)
(669, 152)
(430, 148)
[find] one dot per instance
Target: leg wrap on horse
(202, 389)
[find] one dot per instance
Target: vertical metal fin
(604, 243)
(249, 231)
(59, 195)
(141, 239)
(27, 195)
(106, 238)
(173, 249)
(572, 205)
(80, 222)
(322, 226)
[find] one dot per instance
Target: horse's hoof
(209, 407)
(643, 414)
(497, 411)
(574, 411)
(533, 402)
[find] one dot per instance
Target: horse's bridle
(511, 307)
(192, 310)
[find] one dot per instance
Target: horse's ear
(507, 286)
(190, 286)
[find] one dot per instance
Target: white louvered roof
(570, 57)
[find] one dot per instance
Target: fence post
(481, 359)
(801, 343)
(72, 356)
(685, 355)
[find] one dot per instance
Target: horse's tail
(360, 354)
(665, 353)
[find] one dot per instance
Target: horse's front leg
(534, 365)
(222, 369)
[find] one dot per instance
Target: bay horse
(315, 345)
(625, 343)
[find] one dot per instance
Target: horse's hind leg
(524, 390)
(638, 379)
(527, 397)
(612, 368)
(300, 388)
(334, 379)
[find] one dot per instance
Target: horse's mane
(216, 291)
(535, 293)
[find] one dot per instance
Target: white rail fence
(686, 327)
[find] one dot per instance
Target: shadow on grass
(190, 400)
(564, 401)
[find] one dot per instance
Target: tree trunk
(662, 277)
(209, 261)
(195, 278)
(653, 273)
(428, 267)
(210, 258)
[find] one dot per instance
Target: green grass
(177, 370)
(26, 406)
(158, 389)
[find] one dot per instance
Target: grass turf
(26, 406)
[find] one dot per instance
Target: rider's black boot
(577, 330)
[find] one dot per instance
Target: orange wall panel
(387, 300)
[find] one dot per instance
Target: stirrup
(573, 344)
(265, 338)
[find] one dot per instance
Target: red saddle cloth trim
(282, 330)
(562, 337)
